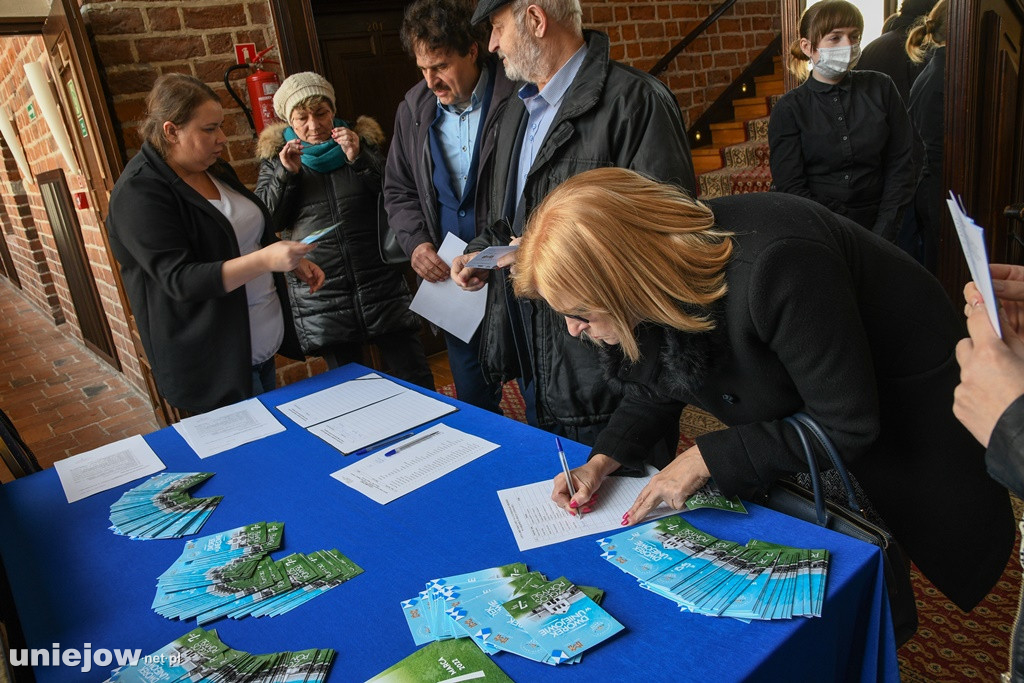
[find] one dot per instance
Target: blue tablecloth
(75, 582)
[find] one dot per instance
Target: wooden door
(87, 118)
(67, 233)
(984, 154)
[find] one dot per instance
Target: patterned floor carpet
(949, 646)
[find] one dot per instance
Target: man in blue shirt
(443, 142)
(579, 110)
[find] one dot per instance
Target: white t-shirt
(266, 322)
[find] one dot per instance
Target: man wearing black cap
(578, 110)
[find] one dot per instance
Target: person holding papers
(199, 259)
(316, 172)
(443, 145)
(754, 307)
(990, 398)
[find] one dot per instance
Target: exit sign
(31, 109)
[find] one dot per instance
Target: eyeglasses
(576, 317)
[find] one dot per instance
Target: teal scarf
(323, 157)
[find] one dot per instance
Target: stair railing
(690, 37)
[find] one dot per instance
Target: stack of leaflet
(706, 575)
(231, 574)
(162, 508)
(200, 655)
(509, 609)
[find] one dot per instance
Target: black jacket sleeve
(401, 198)
(1005, 455)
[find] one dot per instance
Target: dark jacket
(171, 243)
(361, 297)
(409, 192)
(823, 317)
(612, 115)
(887, 54)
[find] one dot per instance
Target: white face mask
(834, 62)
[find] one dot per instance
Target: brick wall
(642, 32)
(138, 41)
(27, 228)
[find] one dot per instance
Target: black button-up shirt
(849, 146)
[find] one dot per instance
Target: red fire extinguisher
(261, 86)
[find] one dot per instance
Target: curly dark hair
(443, 25)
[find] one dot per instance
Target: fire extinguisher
(261, 86)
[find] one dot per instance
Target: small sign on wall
(31, 109)
(77, 108)
(245, 53)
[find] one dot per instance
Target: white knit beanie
(298, 87)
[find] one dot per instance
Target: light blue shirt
(456, 132)
(542, 108)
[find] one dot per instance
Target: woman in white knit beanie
(317, 171)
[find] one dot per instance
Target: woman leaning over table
(317, 171)
(198, 257)
(843, 138)
(754, 307)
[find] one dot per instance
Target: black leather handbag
(791, 498)
(391, 251)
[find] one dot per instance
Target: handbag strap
(837, 462)
(812, 465)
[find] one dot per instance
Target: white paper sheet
(340, 399)
(536, 521)
(105, 467)
(225, 428)
(384, 479)
(447, 305)
(376, 422)
(972, 241)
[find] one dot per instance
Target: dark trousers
(470, 384)
(401, 352)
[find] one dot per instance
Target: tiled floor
(61, 397)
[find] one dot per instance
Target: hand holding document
(536, 521)
(488, 258)
(105, 467)
(972, 240)
(447, 305)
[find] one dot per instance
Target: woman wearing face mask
(317, 171)
(843, 138)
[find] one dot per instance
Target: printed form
(105, 467)
(340, 399)
(225, 428)
(385, 478)
(366, 426)
(536, 521)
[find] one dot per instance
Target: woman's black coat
(824, 317)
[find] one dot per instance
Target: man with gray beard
(578, 110)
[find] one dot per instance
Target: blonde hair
(815, 23)
(928, 33)
(611, 241)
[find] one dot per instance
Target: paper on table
(536, 521)
(106, 467)
(445, 304)
(340, 399)
(225, 428)
(367, 426)
(384, 479)
(972, 240)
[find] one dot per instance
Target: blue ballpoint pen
(382, 443)
(565, 471)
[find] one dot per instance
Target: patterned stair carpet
(950, 645)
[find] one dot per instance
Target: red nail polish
(586, 509)
(572, 504)
(572, 512)
(624, 522)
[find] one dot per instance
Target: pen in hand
(565, 471)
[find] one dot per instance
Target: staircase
(736, 161)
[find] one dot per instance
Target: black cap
(484, 8)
